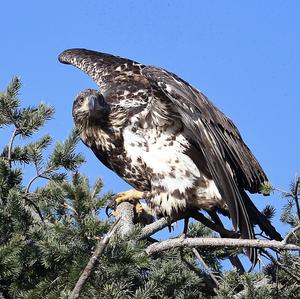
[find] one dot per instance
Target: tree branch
(161, 223)
(295, 196)
(124, 211)
(101, 245)
(281, 266)
(207, 269)
(218, 242)
(292, 232)
(10, 145)
(234, 259)
(156, 226)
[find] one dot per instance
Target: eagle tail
(256, 217)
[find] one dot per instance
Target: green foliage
(42, 235)
(9, 102)
(26, 120)
(48, 233)
(266, 188)
(246, 286)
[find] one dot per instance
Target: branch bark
(156, 226)
(218, 242)
(101, 245)
(124, 211)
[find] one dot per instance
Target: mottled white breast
(160, 154)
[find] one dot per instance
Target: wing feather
(103, 68)
(230, 162)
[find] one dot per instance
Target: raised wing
(230, 162)
(107, 70)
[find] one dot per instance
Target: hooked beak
(97, 104)
(92, 103)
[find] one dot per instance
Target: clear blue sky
(244, 55)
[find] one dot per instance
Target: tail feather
(256, 217)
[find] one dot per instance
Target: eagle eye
(80, 100)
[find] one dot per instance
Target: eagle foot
(139, 208)
(132, 196)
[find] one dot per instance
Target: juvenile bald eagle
(167, 140)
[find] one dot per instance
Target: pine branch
(9, 102)
(42, 175)
(218, 242)
(295, 196)
(101, 245)
(202, 262)
(31, 119)
(10, 145)
(64, 154)
(292, 232)
(263, 282)
(281, 266)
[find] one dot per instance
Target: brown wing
(108, 71)
(231, 164)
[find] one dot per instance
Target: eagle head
(90, 107)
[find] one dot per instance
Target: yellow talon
(132, 196)
(139, 209)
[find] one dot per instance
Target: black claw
(108, 214)
(112, 205)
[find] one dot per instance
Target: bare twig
(30, 182)
(284, 193)
(207, 269)
(295, 196)
(10, 145)
(67, 206)
(292, 232)
(33, 213)
(218, 242)
(284, 268)
(39, 175)
(101, 245)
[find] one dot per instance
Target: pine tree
(51, 223)
(49, 233)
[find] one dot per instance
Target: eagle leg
(186, 226)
